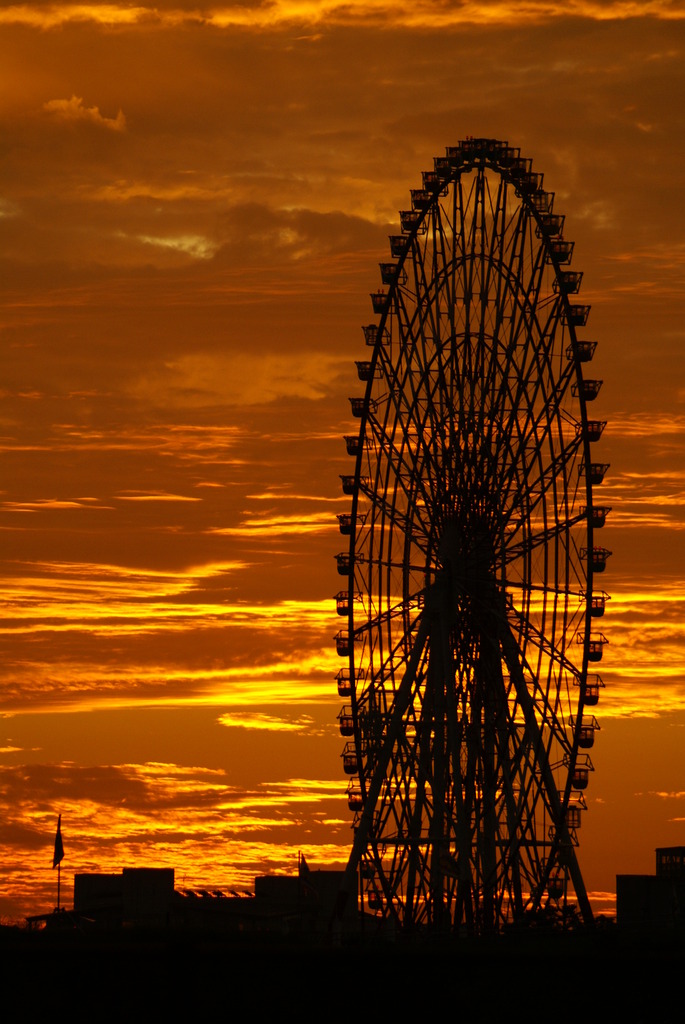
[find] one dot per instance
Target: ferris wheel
(471, 604)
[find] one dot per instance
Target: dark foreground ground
(524, 977)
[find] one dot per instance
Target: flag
(59, 845)
(305, 877)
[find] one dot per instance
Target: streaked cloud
(317, 522)
(48, 503)
(317, 13)
(270, 723)
(159, 496)
(73, 110)
(240, 378)
(664, 255)
(644, 665)
(95, 607)
(49, 15)
(648, 425)
(8, 209)
(185, 441)
(197, 246)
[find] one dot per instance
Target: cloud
(127, 637)
(647, 425)
(153, 496)
(317, 522)
(47, 16)
(8, 209)
(48, 504)
(315, 13)
(239, 378)
(271, 723)
(73, 110)
(664, 255)
(186, 441)
(193, 245)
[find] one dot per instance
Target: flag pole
(58, 857)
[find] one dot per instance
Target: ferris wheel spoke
(387, 515)
(415, 298)
(530, 290)
(417, 404)
(528, 707)
(522, 793)
(557, 658)
(399, 465)
(537, 424)
(555, 532)
(534, 487)
(534, 345)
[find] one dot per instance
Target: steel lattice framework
(471, 558)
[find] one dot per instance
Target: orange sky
(193, 202)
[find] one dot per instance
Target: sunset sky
(193, 204)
